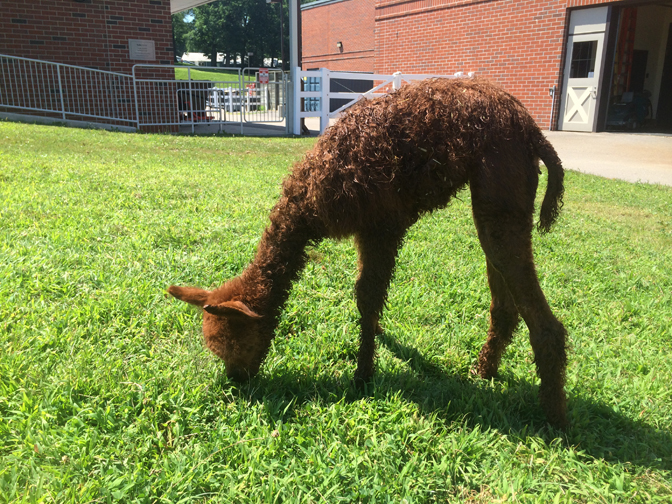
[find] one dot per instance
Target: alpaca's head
(233, 332)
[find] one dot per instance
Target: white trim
(320, 3)
(183, 5)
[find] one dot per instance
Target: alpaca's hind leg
(377, 255)
(506, 241)
(503, 188)
(503, 321)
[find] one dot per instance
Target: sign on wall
(141, 50)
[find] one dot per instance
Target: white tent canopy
(183, 5)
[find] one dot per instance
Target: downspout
(551, 92)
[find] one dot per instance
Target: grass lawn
(223, 78)
(107, 394)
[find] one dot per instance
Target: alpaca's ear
(191, 295)
(231, 308)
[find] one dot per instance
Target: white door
(585, 48)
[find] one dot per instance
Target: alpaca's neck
(280, 258)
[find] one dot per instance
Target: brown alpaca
(384, 164)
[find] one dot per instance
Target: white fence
(317, 94)
(152, 96)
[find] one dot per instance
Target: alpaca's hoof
(238, 374)
(555, 407)
(485, 371)
(361, 380)
(557, 418)
(558, 422)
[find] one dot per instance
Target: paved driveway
(635, 157)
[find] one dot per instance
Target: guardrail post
(285, 102)
(241, 92)
(295, 79)
(324, 100)
(396, 81)
(135, 97)
(191, 100)
(60, 90)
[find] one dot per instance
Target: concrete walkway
(635, 157)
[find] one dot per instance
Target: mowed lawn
(107, 394)
(223, 78)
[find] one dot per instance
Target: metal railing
(66, 91)
(152, 96)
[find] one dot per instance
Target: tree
(207, 35)
(237, 28)
(182, 27)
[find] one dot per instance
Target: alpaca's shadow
(507, 404)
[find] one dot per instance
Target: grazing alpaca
(384, 164)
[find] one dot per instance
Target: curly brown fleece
(383, 165)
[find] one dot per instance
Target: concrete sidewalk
(635, 157)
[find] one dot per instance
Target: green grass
(223, 78)
(106, 393)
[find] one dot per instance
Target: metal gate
(265, 95)
(187, 96)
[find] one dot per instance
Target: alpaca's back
(409, 152)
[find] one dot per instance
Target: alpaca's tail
(552, 204)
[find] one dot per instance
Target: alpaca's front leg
(377, 255)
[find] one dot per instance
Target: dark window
(583, 59)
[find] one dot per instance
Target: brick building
(100, 35)
(92, 33)
(338, 35)
(590, 51)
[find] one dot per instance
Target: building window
(583, 59)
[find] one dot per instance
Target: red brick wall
(89, 33)
(518, 44)
(92, 33)
(350, 22)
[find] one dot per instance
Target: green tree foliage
(236, 28)
(183, 24)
